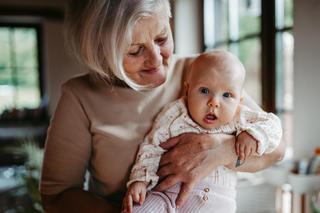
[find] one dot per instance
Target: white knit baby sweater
(174, 120)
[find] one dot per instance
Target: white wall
(59, 65)
(306, 77)
(187, 25)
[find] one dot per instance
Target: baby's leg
(207, 198)
(156, 202)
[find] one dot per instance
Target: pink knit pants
(205, 198)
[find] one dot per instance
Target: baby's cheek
(229, 115)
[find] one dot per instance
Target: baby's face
(213, 95)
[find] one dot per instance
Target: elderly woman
(103, 116)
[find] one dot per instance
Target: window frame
(267, 38)
(37, 26)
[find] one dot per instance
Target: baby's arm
(150, 152)
(264, 128)
(246, 148)
(135, 193)
(143, 174)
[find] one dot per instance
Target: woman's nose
(213, 102)
(154, 57)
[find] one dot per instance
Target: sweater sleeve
(264, 127)
(68, 146)
(149, 154)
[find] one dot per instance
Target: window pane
(5, 48)
(27, 97)
(6, 96)
(215, 22)
(5, 76)
(249, 52)
(249, 17)
(222, 47)
(28, 77)
(19, 74)
(284, 13)
(28, 94)
(6, 90)
(284, 62)
(288, 13)
(26, 47)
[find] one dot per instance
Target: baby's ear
(186, 88)
(241, 99)
(239, 106)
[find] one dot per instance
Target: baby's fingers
(242, 152)
(127, 205)
(237, 147)
(136, 197)
(142, 197)
(247, 152)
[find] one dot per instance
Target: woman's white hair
(100, 31)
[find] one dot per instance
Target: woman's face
(147, 59)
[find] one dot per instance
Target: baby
(211, 105)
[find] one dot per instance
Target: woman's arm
(192, 157)
(66, 158)
(76, 200)
(258, 163)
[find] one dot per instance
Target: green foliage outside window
(19, 68)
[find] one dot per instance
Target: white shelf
(302, 184)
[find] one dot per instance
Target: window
(259, 32)
(284, 64)
(236, 26)
(19, 67)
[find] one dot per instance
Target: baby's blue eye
(204, 90)
(227, 94)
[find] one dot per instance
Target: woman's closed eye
(136, 51)
(204, 90)
(161, 40)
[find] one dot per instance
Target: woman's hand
(190, 158)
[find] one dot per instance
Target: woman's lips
(151, 71)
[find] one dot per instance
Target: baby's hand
(137, 193)
(245, 145)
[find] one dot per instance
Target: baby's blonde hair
(100, 31)
(221, 59)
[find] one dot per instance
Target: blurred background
(277, 41)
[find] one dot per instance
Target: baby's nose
(213, 102)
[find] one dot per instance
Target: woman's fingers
(170, 143)
(165, 170)
(185, 191)
(186, 146)
(167, 183)
(165, 158)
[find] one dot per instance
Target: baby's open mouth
(211, 117)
